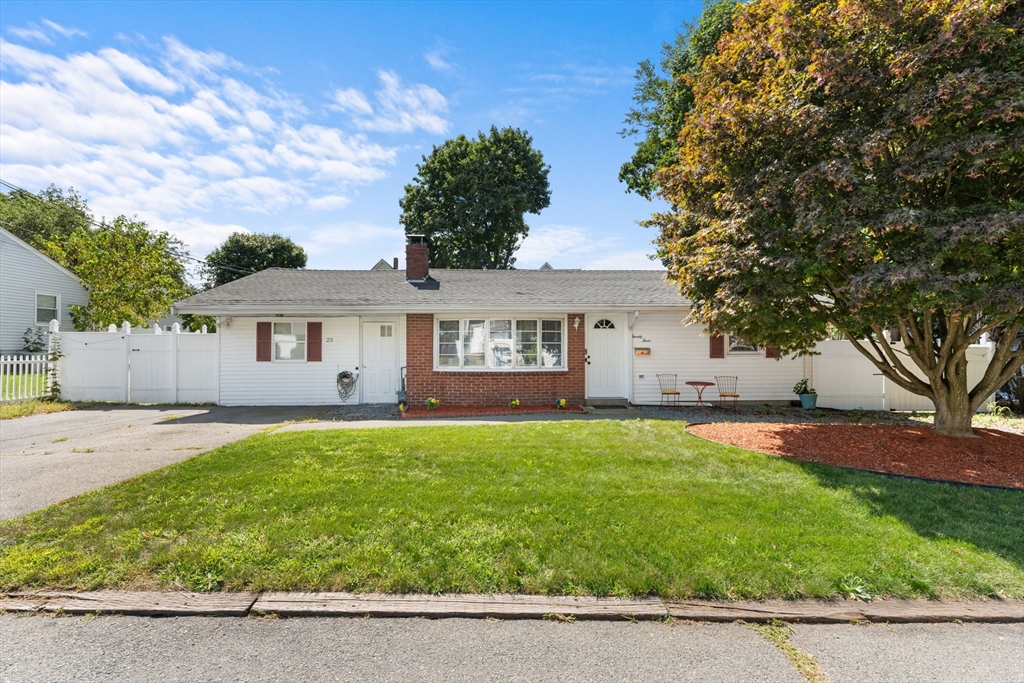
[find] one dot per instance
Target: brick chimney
(417, 261)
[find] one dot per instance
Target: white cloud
(182, 137)
(436, 60)
(31, 32)
(570, 246)
(200, 235)
(558, 245)
(399, 109)
(630, 260)
(44, 34)
(349, 234)
(351, 100)
(64, 31)
(328, 202)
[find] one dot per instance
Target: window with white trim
(47, 308)
(737, 345)
(500, 344)
(289, 341)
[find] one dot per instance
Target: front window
(500, 344)
(289, 341)
(737, 345)
(47, 308)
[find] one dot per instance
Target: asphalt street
(40, 648)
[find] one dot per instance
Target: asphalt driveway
(47, 458)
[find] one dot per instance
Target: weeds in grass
(778, 634)
(15, 409)
(854, 588)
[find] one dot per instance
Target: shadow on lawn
(990, 519)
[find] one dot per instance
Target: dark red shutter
(769, 352)
(314, 341)
(263, 342)
(717, 346)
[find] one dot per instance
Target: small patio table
(700, 387)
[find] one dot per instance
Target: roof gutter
(339, 311)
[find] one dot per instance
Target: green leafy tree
(49, 215)
(134, 274)
(469, 198)
(664, 97)
(860, 164)
(243, 253)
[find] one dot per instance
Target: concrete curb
(293, 604)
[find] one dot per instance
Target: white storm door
(379, 376)
(605, 357)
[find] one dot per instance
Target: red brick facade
(489, 388)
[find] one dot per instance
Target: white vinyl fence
(844, 379)
(24, 376)
(138, 366)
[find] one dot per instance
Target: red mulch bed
(483, 411)
(995, 458)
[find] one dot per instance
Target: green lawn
(602, 507)
(31, 384)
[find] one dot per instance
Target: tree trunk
(953, 409)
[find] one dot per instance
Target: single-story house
(469, 337)
(34, 289)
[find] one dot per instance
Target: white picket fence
(24, 376)
(138, 366)
(846, 380)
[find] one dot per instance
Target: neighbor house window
(289, 341)
(47, 308)
(737, 345)
(500, 344)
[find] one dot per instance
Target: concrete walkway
(47, 458)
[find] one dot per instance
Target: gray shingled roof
(278, 288)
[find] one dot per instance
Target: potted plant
(808, 396)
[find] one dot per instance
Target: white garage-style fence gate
(138, 365)
(846, 380)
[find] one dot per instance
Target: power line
(96, 224)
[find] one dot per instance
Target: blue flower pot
(808, 401)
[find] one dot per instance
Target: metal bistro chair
(727, 390)
(669, 394)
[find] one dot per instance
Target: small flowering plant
(432, 403)
(513, 402)
(560, 403)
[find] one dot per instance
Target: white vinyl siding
(246, 382)
(683, 350)
(24, 272)
(503, 344)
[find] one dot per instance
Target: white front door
(380, 363)
(605, 357)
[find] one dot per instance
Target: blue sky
(309, 118)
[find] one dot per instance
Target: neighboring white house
(34, 289)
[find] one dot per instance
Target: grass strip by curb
(778, 633)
